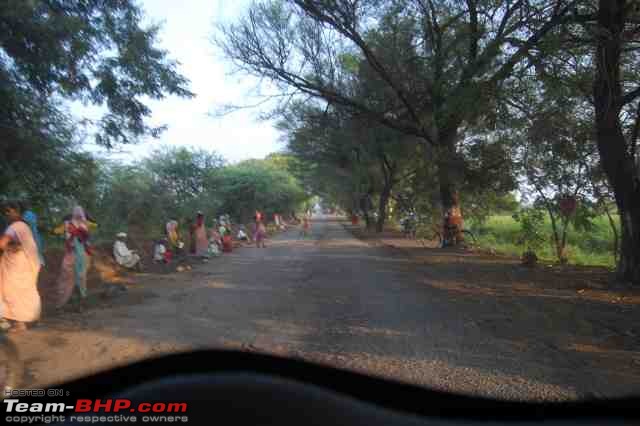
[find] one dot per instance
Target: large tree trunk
(629, 262)
(614, 231)
(617, 161)
(388, 171)
(364, 207)
(448, 178)
(382, 206)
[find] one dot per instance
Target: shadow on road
(338, 300)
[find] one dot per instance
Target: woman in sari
(199, 239)
(261, 234)
(215, 242)
(19, 269)
(76, 260)
(173, 236)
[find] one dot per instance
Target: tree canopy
(93, 52)
(495, 96)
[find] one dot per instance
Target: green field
(593, 247)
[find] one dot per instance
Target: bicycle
(444, 237)
(409, 228)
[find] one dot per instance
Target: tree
(558, 159)
(255, 185)
(352, 159)
(449, 60)
(53, 53)
(40, 154)
(600, 50)
(131, 198)
(172, 183)
(183, 172)
(329, 161)
(616, 36)
(91, 51)
(605, 203)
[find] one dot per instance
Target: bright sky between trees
(187, 27)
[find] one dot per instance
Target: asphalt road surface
(333, 299)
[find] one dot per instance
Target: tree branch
(349, 30)
(561, 17)
(634, 135)
(629, 97)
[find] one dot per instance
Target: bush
(531, 235)
(585, 247)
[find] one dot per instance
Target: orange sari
(19, 269)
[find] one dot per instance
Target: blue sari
(32, 220)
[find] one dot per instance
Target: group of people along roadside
(22, 256)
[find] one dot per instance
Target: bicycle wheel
(11, 367)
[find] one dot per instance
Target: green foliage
(53, 53)
(182, 172)
(174, 183)
(478, 206)
(256, 184)
(531, 235)
(92, 51)
(131, 198)
(593, 247)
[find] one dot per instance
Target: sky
(186, 30)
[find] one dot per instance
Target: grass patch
(592, 247)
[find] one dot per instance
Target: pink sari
(19, 269)
(202, 242)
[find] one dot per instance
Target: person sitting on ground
(227, 240)
(222, 229)
(214, 232)
(215, 242)
(160, 252)
(123, 255)
(242, 236)
(173, 237)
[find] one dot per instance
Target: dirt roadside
(505, 275)
(452, 321)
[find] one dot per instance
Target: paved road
(332, 299)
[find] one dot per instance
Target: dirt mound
(103, 270)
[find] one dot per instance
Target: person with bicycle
(19, 268)
(409, 224)
(452, 227)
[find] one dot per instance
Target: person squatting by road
(123, 256)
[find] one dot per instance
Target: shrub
(531, 235)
